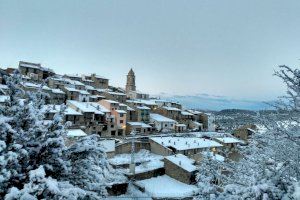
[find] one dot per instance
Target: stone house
(170, 112)
(162, 123)
(98, 81)
(74, 77)
(137, 95)
(35, 71)
(119, 115)
(93, 117)
(179, 128)
(208, 121)
(186, 118)
(71, 115)
(138, 127)
(57, 96)
(116, 96)
(143, 114)
(75, 94)
(131, 114)
(56, 82)
(181, 168)
(228, 142)
(188, 146)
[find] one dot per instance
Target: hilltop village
(153, 141)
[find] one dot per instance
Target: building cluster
(96, 107)
(169, 141)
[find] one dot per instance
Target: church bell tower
(130, 85)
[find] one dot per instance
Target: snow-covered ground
(167, 187)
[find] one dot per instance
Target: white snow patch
(167, 187)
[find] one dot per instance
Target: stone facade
(179, 173)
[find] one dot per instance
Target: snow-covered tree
(34, 161)
(270, 165)
(42, 187)
(91, 170)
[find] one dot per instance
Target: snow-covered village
(108, 100)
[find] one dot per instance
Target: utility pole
(132, 163)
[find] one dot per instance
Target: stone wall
(126, 147)
(159, 149)
(177, 172)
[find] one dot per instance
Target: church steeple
(130, 85)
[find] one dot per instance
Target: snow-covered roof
(185, 143)
(167, 187)
(103, 90)
(75, 133)
(33, 85)
(70, 89)
(149, 166)
(110, 101)
(109, 145)
(228, 140)
(100, 77)
(195, 112)
(128, 108)
(99, 107)
(84, 92)
(186, 113)
(88, 87)
(56, 108)
(249, 129)
(57, 91)
(139, 157)
(160, 118)
(74, 82)
(143, 108)
(180, 125)
(117, 93)
(171, 108)
(147, 102)
(86, 107)
(142, 124)
(121, 111)
(3, 98)
(183, 162)
(30, 65)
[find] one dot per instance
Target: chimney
(180, 163)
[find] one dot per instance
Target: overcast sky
(227, 48)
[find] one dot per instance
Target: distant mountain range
(215, 103)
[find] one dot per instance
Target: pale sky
(227, 48)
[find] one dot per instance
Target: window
(166, 125)
(121, 115)
(121, 121)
